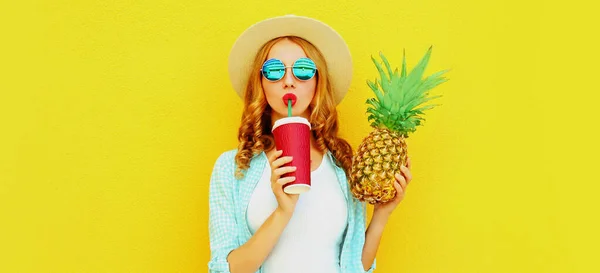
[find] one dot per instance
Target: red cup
(292, 136)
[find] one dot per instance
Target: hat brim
(324, 38)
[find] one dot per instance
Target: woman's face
(288, 52)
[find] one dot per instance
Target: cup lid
(287, 120)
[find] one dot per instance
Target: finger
(284, 170)
(400, 179)
(406, 173)
(285, 180)
(281, 161)
(275, 155)
(408, 164)
(398, 188)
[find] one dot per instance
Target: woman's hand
(286, 202)
(402, 181)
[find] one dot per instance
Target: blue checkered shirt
(229, 199)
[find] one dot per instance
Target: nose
(288, 79)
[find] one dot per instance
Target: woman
(254, 225)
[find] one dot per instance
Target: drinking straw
(289, 108)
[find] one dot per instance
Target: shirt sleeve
(361, 222)
(222, 223)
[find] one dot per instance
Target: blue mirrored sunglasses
(303, 69)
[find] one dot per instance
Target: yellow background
(113, 113)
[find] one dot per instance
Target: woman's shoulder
(225, 168)
(227, 155)
(225, 160)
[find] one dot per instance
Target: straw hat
(322, 36)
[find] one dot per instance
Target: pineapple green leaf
(425, 85)
(372, 85)
(438, 74)
(375, 89)
(403, 108)
(390, 83)
(416, 74)
(387, 100)
(384, 77)
(403, 63)
(373, 102)
(396, 87)
(398, 93)
(387, 80)
(424, 108)
(395, 107)
(387, 64)
(374, 112)
(418, 102)
(430, 83)
(433, 80)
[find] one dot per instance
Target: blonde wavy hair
(255, 135)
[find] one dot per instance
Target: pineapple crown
(399, 95)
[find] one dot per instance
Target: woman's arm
(381, 214)
(250, 256)
(372, 239)
(227, 255)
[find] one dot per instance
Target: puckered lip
(289, 96)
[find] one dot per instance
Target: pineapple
(393, 113)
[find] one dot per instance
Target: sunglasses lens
(304, 69)
(273, 70)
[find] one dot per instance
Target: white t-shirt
(311, 242)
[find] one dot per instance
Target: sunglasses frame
(285, 68)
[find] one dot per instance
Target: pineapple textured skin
(375, 163)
